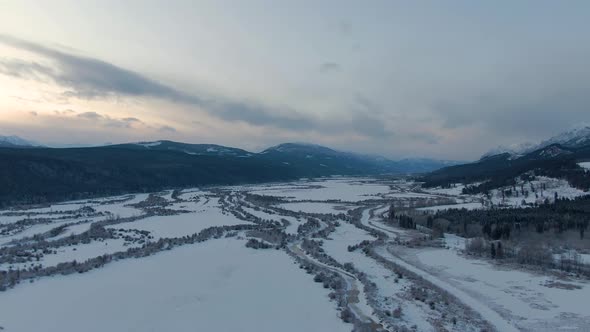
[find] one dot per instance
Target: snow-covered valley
(312, 255)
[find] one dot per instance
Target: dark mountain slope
(16, 142)
(321, 160)
(194, 149)
(36, 175)
(500, 170)
(51, 174)
(311, 155)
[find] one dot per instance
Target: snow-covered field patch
(181, 224)
(316, 207)
(343, 189)
(217, 286)
(455, 190)
(529, 301)
(536, 191)
(78, 253)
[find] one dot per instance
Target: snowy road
(499, 322)
(494, 318)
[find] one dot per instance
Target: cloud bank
(89, 78)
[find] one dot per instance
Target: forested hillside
(501, 170)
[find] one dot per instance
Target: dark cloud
(367, 120)
(370, 127)
(424, 137)
(507, 115)
(91, 115)
(330, 67)
(366, 104)
(108, 121)
(252, 114)
(167, 129)
(24, 69)
(89, 78)
(136, 120)
(533, 96)
(345, 27)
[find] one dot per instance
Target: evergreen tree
(493, 250)
(391, 213)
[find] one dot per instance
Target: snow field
(526, 300)
(197, 287)
(79, 253)
(182, 224)
(344, 189)
(315, 207)
(192, 288)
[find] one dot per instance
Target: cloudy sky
(443, 79)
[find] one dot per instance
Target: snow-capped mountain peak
(576, 137)
(15, 142)
(512, 149)
(300, 147)
(149, 144)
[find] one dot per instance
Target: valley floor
(315, 255)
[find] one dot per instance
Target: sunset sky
(442, 79)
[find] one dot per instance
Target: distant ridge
(577, 137)
(37, 175)
(554, 160)
(14, 141)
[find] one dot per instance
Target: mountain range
(557, 157)
(574, 138)
(32, 174)
(305, 153)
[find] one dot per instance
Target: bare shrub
(397, 312)
(476, 246)
(535, 254)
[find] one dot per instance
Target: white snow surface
(524, 300)
(316, 207)
(552, 186)
(197, 287)
(193, 288)
(336, 247)
(79, 253)
(182, 224)
(344, 189)
(149, 144)
(455, 190)
(475, 303)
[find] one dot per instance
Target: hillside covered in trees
(38, 175)
(501, 170)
